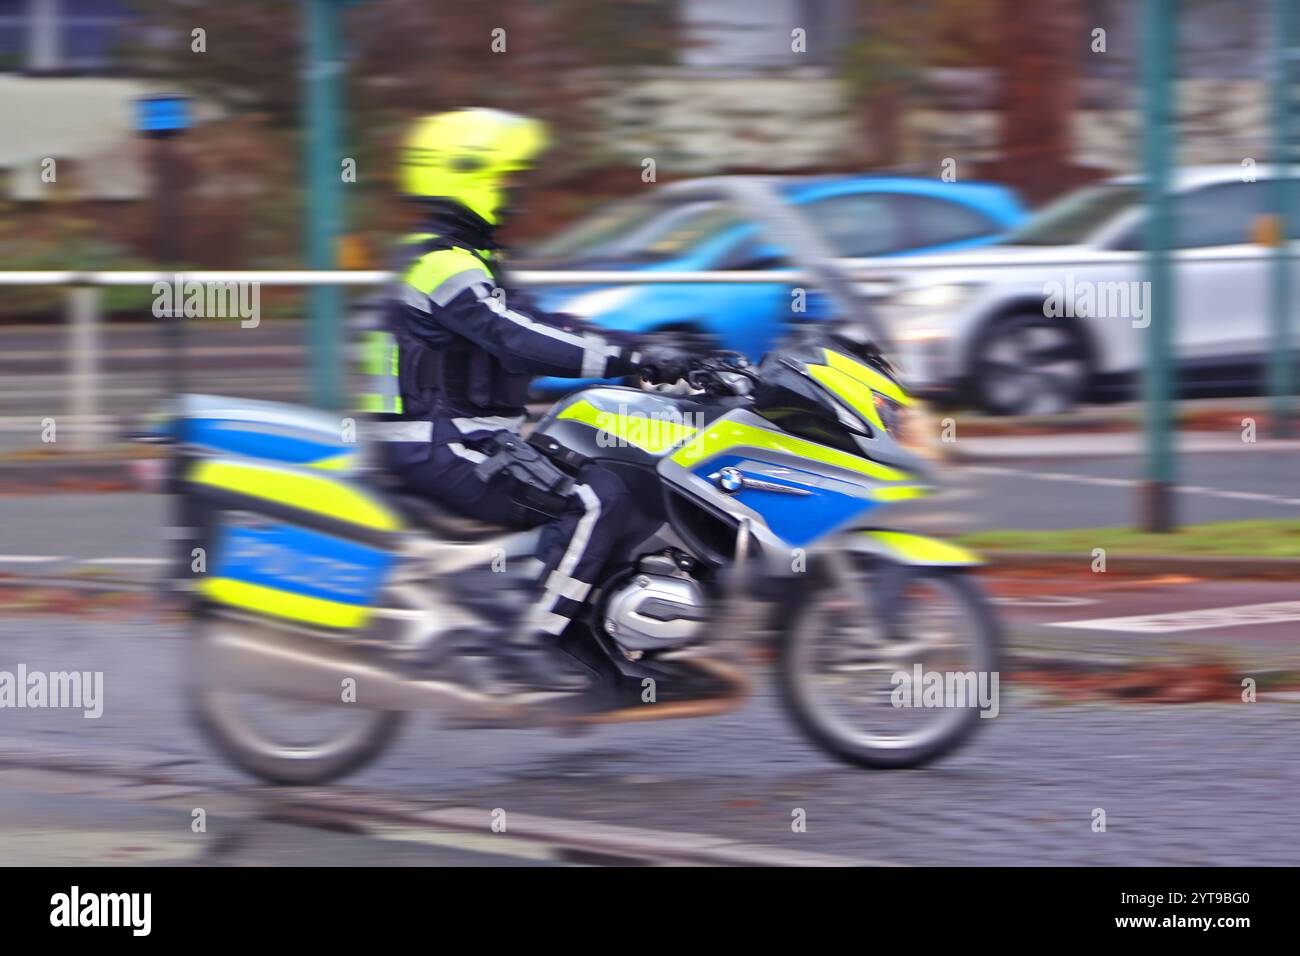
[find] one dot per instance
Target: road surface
(1210, 780)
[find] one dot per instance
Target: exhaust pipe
(737, 685)
(241, 656)
(237, 656)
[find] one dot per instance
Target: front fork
(895, 559)
(883, 596)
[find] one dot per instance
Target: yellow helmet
(465, 155)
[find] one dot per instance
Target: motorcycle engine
(660, 606)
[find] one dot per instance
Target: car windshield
(646, 229)
(1075, 218)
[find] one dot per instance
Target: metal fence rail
(876, 275)
(858, 269)
(83, 372)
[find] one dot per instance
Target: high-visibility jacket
(453, 344)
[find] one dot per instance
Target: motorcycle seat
(442, 522)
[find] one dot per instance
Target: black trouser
(573, 546)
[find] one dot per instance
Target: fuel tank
(623, 424)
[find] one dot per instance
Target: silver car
(1060, 310)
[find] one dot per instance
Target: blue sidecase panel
(302, 561)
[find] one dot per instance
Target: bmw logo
(731, 480)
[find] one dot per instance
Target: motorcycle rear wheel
(225, 718)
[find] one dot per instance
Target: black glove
(664, 364)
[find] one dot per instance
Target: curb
(1205, 566)
(560, 839)
(38, 477)
(1087, 445)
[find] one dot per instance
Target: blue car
(685, 227)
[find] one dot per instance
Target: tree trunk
(1039, 92)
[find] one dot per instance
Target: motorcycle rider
(451, 370)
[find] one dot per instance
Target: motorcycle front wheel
(892, 690)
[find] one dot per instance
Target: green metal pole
(1286, 134)
(322, 81)
(1157, 58)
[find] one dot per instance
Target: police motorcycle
(328, 605)
(760, 492)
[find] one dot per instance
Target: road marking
(158, 388)
(1131, 483)
(1278, 612)
(1246, 495)
(938, 520)
(201, 351)
(1045, 600)
(53, 558)
(146, 561)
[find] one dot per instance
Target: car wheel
(1029, 365)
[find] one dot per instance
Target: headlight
(920, 332)
(590, 304)
(893, 416)
(934, 297)
(850, 421)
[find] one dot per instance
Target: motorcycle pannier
(212, 425)
(291, 543)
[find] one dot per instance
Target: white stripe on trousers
(470, 454)
(596, 351)
(546, 619)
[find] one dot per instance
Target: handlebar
(723, 373)
(715, 371)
